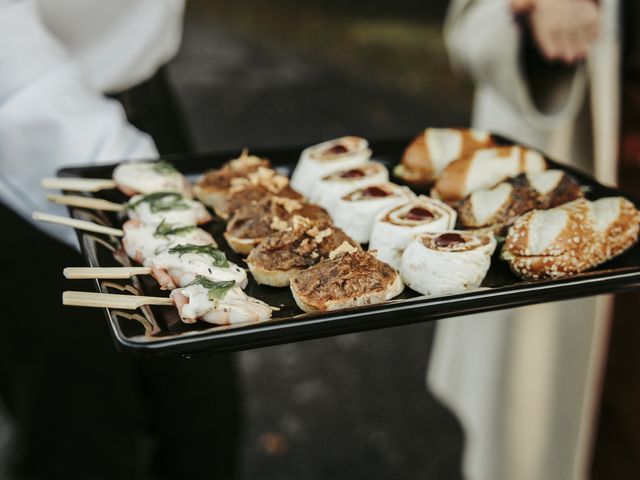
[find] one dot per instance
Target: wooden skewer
(86, 202)
(78, 184)
(80, 273)
(109, 300)
(75, 223)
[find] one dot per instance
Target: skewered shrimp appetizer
(176, 255)
(170, 207)
(153, 208)
(176, 262)
(131, 178)
(221, 303)
(148, 177)
(142, 241)
(181, 264)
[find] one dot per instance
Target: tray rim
(304, 327)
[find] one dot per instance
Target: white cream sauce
(235, 307)
(140, 240)
(184, 269)
(194, 214)
(142, 177)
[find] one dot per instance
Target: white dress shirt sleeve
(50, 116)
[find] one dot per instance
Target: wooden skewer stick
(109, 300)
(86, 202)
(78, 184)
(75, 223)
(81, 273)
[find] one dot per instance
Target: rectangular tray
(501, 288)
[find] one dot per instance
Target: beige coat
(525, 382)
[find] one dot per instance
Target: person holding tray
(525, 382)
(78, 407)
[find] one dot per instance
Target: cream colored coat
(525, 382)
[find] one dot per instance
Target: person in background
(525, 382)
(79, 409)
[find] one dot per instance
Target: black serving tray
(159, 330)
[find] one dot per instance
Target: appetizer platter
(222, 252)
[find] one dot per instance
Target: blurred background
(282, 72)
(288, 73)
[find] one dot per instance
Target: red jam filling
(418, 213)
(375, 192)
(336, 150)
(449, 239)
(355, 173)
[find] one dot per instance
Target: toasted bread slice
(283, 254)
(214, 197)
(213, 186)
(243, 246)
(348, 280)
(253, 223)
(249, 190)
(273, 278)
(366, 298)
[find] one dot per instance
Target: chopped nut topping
(305, 244)
(300, 222)
(278, 224)
(322, 235)
(263, 177)
(345, 247)
(244, 160)
(289, 204)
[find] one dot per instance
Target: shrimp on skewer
(149, 177)
(182, 264)
(177, 254)
(169, 207)
(152, 208)
(177, 262)
(142, 241)
(131, 178)
(218, 303)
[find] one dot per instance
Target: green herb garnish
(164, 168)
(160, 202)
(216, 290)
(166, 229)
(219, 258)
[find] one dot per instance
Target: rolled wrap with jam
(332, 187)
(356, 212)
(325, 158)
(397, 226)
(447, 262)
